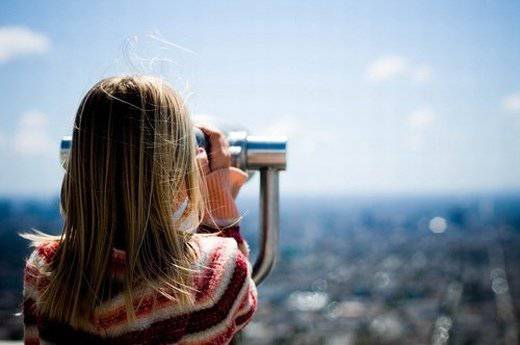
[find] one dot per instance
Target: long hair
(131, 166)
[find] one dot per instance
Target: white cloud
(32, 137)
(18, 40)
(511, 103)
(395, 66)
(386, 67)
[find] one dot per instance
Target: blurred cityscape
(367, 270)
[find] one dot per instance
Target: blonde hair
(131, 165)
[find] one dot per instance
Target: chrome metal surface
(238, 148)
(266, 152)
(65, 145)
(269, 224)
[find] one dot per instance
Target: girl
(151, 251)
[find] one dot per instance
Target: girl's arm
(30, 293)
(222, 184)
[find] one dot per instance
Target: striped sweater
(225, 295)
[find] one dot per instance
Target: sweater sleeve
(248, 303)
(222, 188)
(222, 214)
(30, 297)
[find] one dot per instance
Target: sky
(376, 97)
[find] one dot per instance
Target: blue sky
(376, 97)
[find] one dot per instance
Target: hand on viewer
(219, 156)
(222, 181)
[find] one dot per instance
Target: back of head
(131, 165)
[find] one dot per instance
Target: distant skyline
(375, 97)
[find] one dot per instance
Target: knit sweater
(225, 295)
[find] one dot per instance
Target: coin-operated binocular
(265, 154)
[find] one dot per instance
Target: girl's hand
(219, 156)
(222, 182)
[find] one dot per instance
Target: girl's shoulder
(221, 253)
(36, 267)
(43, 252)
(213, 246)
(224, 274)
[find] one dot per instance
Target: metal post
(269, 224)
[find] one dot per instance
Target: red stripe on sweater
(241, 320)
(204, 318)
(29, 312)
(48, 250)
(249, 301)
(31, 341)
(31, 275)
(34, 278)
